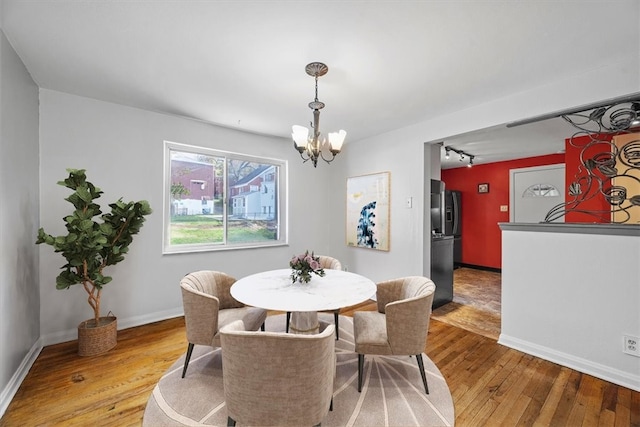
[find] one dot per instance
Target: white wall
(569, 298)
(19, 297)
(402, 152)
(405, 163)
(122, 150)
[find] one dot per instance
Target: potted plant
(89, 247)
(303, 265)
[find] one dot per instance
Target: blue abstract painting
(368, 211)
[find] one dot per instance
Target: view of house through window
(222, 200)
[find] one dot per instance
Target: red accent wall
(574, 170)
(481, 236)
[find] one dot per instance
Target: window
(217, 200)
(541, 190)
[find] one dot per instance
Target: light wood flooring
(476, 302)
(491, 385)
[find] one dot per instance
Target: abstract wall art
(368, 200)
(608, 138)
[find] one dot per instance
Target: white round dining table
(274, 290)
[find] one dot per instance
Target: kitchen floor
(476, 302)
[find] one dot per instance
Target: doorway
(534, 191)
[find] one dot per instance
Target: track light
(460, 153)
(635, 107)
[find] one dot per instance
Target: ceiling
(241, 64)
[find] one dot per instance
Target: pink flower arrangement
(303, 265)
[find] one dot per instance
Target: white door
(535, 191)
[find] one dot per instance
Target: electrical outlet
(631, 345)
(504, 208)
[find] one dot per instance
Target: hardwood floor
(476, 302)
(481, 289)
(491, 385)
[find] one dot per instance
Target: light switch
(504, 208)
(409, 202)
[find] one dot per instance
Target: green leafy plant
(89, 245)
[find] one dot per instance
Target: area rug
(392, 391)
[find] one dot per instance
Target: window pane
(196, 199)
(253, 190)
(541, 190)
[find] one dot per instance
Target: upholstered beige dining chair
(276, 378)
(400, 325)
(208, 306)
(331, 264)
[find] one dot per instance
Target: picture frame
(483, 187)
(367, 208)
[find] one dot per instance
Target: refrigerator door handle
(456, 216)
(443, 224)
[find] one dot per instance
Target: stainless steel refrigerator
(441, 246)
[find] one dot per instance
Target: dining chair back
(329, 262)
(400, 325)
(208, 306)
(276, 378)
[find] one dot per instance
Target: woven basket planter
(94, 340)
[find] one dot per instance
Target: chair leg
(231, 422)
(331, 404)
(336, 316)
(360, 369)
(262, 327)
(187, 358)
(288, 320)
(424, 377)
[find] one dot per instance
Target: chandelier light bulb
(300, 135)
(336, 139)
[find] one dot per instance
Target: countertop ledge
(577, 228)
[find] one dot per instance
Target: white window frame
(282, 196)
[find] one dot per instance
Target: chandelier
(313, 147)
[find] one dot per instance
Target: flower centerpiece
(303, 265)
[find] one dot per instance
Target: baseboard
(14, 383)
(481, 267)
(150, 318)
(123, 323)
(607, 373)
